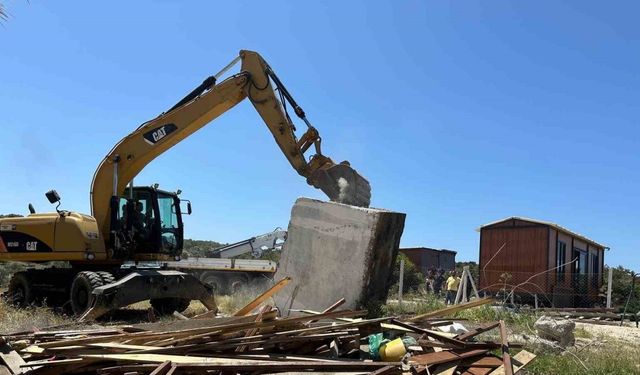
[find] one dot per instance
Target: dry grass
(15, 320)
(610, 359)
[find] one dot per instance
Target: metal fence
(546, 289)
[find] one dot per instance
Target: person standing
(438, 282)
(453, 282)
(430, 280)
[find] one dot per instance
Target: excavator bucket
(343, 184)
(141, 285)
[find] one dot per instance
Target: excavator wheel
(20, 291)
(260, 284)
(166, 306)
(238, 284)
(214, 281)
(83, 285)
(107, 277)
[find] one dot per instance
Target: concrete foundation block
(338, 251)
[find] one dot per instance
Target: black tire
(260, 283)
(238, 284)
(20, 293)
(216, 282)
(107, 277)
(166, 306)
(81, 291)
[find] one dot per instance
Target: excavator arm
(204, 104)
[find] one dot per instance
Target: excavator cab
(147, 224)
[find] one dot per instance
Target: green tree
(474, 269)
(413, 278)
(199, 248)
(622, 280)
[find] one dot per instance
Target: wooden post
(263, 297)
(473, 284)
(609, 285)
(535, 301)
(465, 273)
(401, 282)
(458, 294)
(506, 357)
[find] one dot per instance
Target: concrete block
(338, 251)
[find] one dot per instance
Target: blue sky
(459, 113)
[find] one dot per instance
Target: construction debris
(338, 341)
(559, 330)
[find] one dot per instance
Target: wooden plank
(48, 362)
(523, 358)
(310, 330)
(229, 327)
(335, 366)
(490, 362)
(440, 336)
(386, 370)
(145, 368)
(452, 309)
(483, 328)
(211, 363)
(82, 341)
(337, 304)
(180, 316)
(229, 344)
(387, 326)
(506, 358)
(263, 297)
(444, 357)
(206, 315)
(126, 347)
(253, 331)
(11, 358)
(160, 358)
(61, 366)
(163, 369)
(444, 369)
(478, 370)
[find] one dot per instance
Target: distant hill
(199, 248)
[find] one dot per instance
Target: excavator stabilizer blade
(342, 184)
(142, 285)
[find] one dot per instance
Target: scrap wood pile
(259, 342)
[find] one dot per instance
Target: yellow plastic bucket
(392, 351)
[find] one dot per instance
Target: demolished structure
(335, 249)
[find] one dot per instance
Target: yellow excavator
(131, 225)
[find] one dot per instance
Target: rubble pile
(256, 341)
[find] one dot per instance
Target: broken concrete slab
(338, 251)
(560, 330)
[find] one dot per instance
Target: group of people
(437, 283)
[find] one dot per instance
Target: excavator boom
(340, 182)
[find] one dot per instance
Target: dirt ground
(627, 333)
